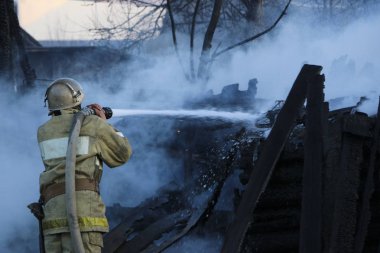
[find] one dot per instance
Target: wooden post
(311, 216)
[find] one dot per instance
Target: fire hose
(70, 197)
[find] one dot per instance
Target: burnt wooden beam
(154, 232)
(365, 214)
(195, 217)
(311, 215)
(265, 164)
(117, 236)
(331, 173)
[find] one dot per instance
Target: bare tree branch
(174, 36)
(255, 36)
(138, 25)
(137, 2)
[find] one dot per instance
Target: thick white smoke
(349, 56)
(21, 166)
(351, 62)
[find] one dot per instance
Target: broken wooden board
(311, 215)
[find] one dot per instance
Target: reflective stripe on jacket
(98, 142)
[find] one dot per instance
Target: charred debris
(310, 186)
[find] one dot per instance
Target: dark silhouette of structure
(14, 61)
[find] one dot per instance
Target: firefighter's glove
(98, 110)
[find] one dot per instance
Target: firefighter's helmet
(63, 93)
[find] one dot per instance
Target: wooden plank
(196, 216)
(331, 172)
(154, 232)
(358, 126)
(365, 214)
(347, 190)
(116, 237)
(311, 215)
(271, 152)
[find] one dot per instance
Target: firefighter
(98, 142)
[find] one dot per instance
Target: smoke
(351, 64)
(21, 166)
(348, 56)
(151, 166)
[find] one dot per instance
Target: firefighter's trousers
(61, 243)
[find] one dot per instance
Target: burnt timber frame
(271, 152)
(335, 212)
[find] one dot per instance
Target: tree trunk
(205, 55)
(254, 10)
(192, 34)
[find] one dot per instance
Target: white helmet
(63, 93)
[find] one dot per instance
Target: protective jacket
(98, 142)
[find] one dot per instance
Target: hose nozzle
(107, 112)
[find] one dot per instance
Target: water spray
(211, 114)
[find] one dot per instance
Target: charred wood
(369, 187)
(347, 193)
(311, 218)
